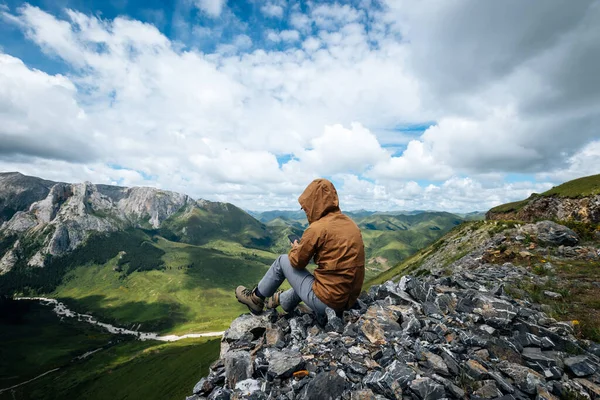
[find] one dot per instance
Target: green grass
(129, 370)
(508, 207)
(35, 341)
(582, 187)
(193, 293)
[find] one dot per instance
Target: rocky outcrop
(18, 192)
(457, 335)
(585, 209)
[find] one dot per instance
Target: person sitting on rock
(335, 243)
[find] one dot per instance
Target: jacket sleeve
(301, 255)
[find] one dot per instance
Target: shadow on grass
(210, 269)
(153, 317)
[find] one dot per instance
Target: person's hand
(295, 244)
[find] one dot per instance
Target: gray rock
(238, 366)
(391, 381)
(524, 378)
(325, 386)
(248, 386)
(553, 234)
(580, 365)
(203, 387)
(255, 324)
(475, 370)
(284, 363)
(379, 322)
(488, 390)
(334, 323)
(427, 389)
(504, 385)
(552, 295)
(220, 394)
(437, 363)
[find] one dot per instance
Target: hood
(318, 199)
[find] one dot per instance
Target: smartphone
(293, 238)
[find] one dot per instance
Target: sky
(455, 105)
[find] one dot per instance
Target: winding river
(62, 311)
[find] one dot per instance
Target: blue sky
(404, 105)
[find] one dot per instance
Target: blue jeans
(302, 286)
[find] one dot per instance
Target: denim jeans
(302, 286)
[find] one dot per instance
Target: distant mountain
(576, 200)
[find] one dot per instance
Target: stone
(437, 363)
(592, 388)
(504, 385)
(413, 326)
(220, 394)
(325, 386)
(297, 329)
(203, 387)
(552, 234)
(476, 370)
(419, 290)
(535, 359)
(544, 394)
(377, 321)
(334, 323)
(285, 362)
(488, 390)
(391, 381)
(365, 394)
(427, 389)
(238, 366)
(524, 378)
(248, 386)
(255, 324)
(496, 312)
(552, 295)
(580, 366)
(273, 335)
(450, 387)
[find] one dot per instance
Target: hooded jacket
(335, 243)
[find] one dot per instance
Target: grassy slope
(193, 293)
(395, 238)
(581, 187)
(128, 370)
(36, 328)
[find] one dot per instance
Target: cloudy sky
(449, 105)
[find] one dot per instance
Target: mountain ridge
(58, 217)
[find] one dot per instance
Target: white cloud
(283, 36)
(339, 150)
(300, 21)
(212, 8)
(506, 93)
(330, 17)
(272, 10)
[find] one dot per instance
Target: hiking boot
(249, 298)
(273, 301)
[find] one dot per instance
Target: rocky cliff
(585, 209)
(46, 218)
(576, 200)
(467, 331)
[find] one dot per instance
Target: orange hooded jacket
(336, 244)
